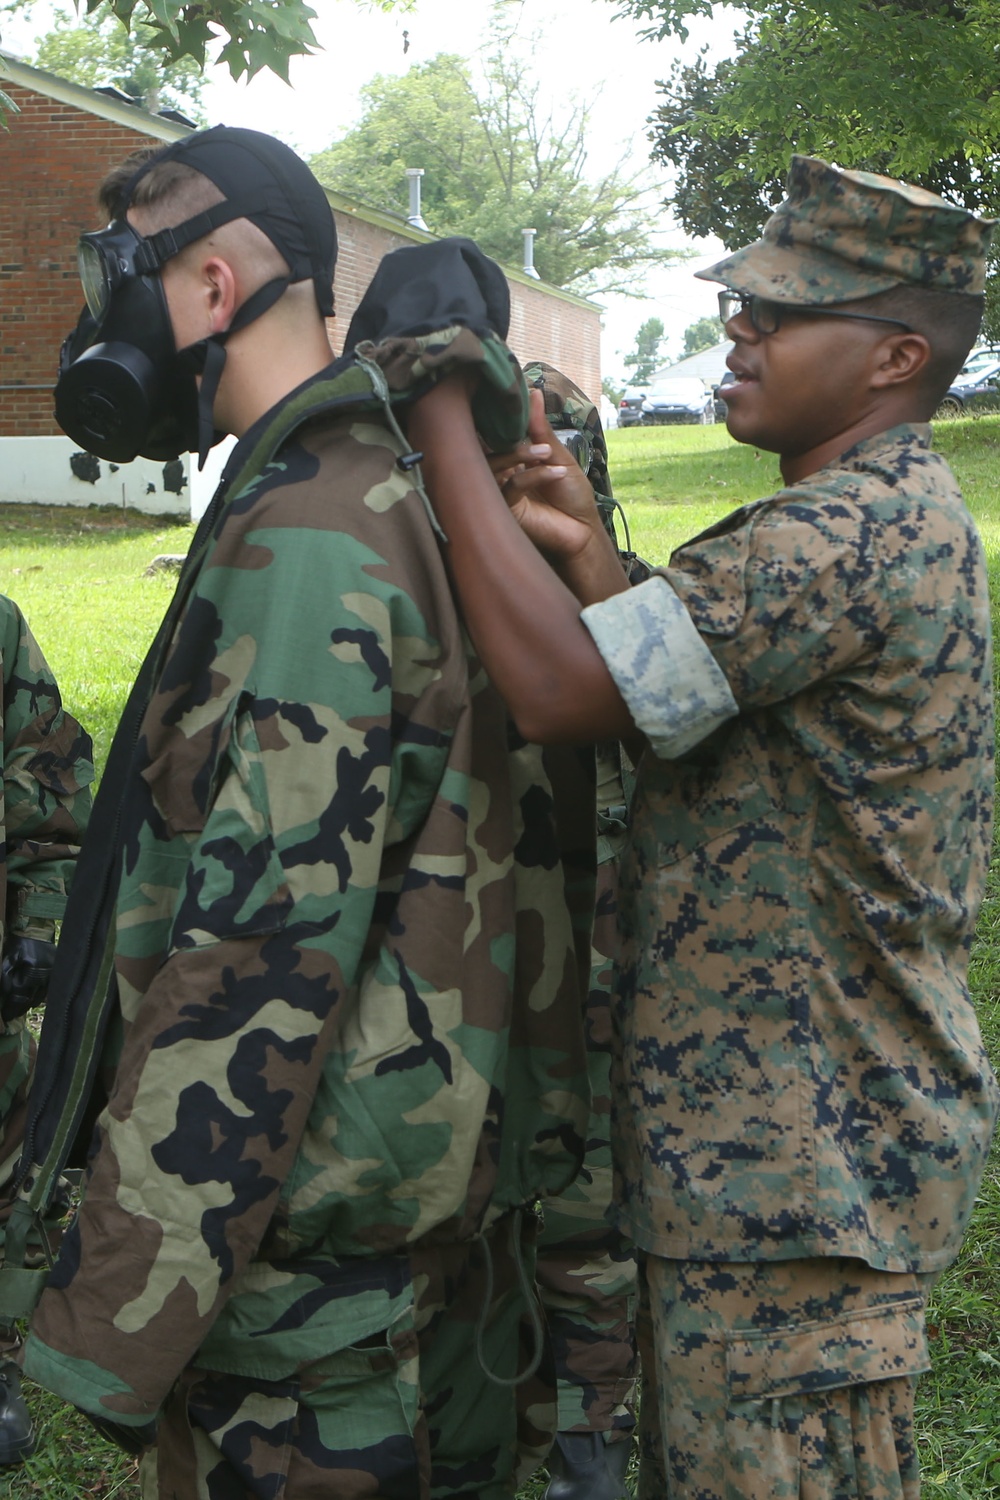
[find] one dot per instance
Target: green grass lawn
(78, 576)
(675, 481)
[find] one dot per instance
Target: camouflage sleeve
(663, 669)
(500, 401)
(776, 598)
(47, 771)
(792, 594)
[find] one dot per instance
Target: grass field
(79, 576)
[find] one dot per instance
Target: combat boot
(17, 1435)
(583, 1466)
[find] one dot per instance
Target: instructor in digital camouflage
(803, 1105)
(349, 993)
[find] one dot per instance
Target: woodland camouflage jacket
(47, 772)
(347, 971)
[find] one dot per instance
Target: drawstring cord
(408, 461)
(530, 1301)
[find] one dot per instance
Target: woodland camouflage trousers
(406, 1415)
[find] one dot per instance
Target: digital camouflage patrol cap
(842, 235)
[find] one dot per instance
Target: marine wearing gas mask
(323, 930)
(125, 390)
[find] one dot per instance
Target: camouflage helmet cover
(842, 235)
(567, 406)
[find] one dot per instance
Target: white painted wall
(39, 471)
(204, 485)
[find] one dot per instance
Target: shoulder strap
(82, 990)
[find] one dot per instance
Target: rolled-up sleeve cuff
(674, 688)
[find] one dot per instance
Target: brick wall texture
(51, 161)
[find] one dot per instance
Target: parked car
(630, 408)
(682, 398)
(978, 359)
(720, 406)
(973, 393)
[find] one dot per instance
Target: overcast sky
(580, 48)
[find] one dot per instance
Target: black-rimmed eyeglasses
(765, 315)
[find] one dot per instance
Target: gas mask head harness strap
(124, 388)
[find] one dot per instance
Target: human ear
(219, 282)
(902, 356)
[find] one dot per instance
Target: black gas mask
(124, 389)
(122, 392)
(579, 442)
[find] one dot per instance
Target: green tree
(612, 389)
(497, 161)
(914, 80)
(644, 358)
(103, 52)
(991, 312)
(924, 104)
(704, 334)
(254, 34)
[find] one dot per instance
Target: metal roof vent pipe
(415, 217)
(529, 254)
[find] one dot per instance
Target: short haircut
(949, 321)
(110, 193)
(171, 191)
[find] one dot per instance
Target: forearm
(524, 621)
(594, 573)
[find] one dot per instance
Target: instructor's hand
(548, 493)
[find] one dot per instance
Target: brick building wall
(545, 323)
(562, 331)
(51, 159)
(59, 145)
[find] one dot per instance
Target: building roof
(166, 126)
(709, 365)
(106, 105)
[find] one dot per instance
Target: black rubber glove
(24, 975)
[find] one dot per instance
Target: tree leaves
(497, 160)
(257, 34)
(141, 62)
(703, 334)
(646, 354)
(910, 88)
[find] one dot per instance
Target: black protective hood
(264, 181)
(423, 288)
